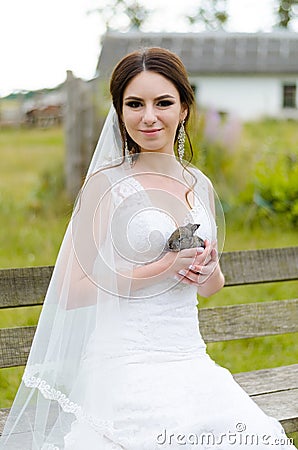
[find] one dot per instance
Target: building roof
(210, 52)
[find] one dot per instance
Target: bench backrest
(27, 287)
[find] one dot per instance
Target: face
(152, 112)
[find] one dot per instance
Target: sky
(40, 40)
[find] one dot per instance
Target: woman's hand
(204, 272)
(202, 267)
(173, 262)
(185, 266)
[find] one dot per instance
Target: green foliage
(276, 189)
(123, 14)
(44, 194)
(271, 192)
(215, 140)
(212, 14)
(254, 168)
(286, 12)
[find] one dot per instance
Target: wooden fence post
(80, 129)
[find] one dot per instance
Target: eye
(165, 103)
(133, 104)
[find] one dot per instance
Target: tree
(123, 14)
(286, 12)
(137, 15)
(211, 13)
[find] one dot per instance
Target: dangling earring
(126, 150)
(181, 141)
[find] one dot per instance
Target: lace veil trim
(66, 404)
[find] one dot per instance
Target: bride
(118, 361)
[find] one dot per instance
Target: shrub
(277, 186)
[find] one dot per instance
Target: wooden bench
(275, 390)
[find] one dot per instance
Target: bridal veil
(77, 344)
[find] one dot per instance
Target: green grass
(272, 136)
(33, 205)
(34, 212)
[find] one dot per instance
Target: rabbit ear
(189, 225)
(194, 227)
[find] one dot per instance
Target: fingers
(203, 257)
(206, 266)
(191, 252)
(214, 255)
(202, 267)
(196, 262)
(190, 255)
(201, 270)
(188, 277)
(200, 256)
(183, 279)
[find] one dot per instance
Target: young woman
(118, 361)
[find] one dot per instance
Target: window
(289, 95)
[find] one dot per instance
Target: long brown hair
(158, 60)
(165, 63)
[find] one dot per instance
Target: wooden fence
(82, 128)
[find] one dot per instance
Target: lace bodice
(150, 227)
(162, 318)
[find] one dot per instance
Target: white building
(251, 75)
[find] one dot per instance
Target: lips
(151, 132)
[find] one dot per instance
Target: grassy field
(33, 206)
(34, 212)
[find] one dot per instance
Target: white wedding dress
(175, 395)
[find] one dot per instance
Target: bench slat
(24, 286)
(270, 380)
(15, 345)
(224, 323)
(260, 266)
(27, 286)
(3, 415)
(221, 323)
(281, 405)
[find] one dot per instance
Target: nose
(149, 117)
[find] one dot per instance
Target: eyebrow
(160, 97)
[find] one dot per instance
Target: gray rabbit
(183, 237)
